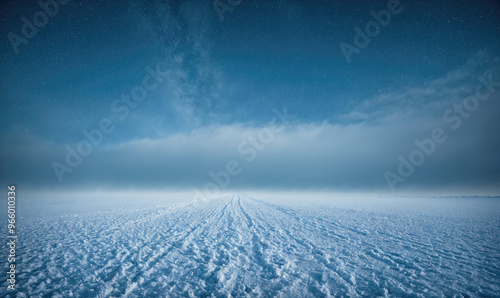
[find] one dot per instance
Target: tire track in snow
(291, 226)
(173, 243)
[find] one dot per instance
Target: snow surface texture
(237, 246)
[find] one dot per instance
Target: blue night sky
(222, 82)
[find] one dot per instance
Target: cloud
(429, 98)
(347, 157)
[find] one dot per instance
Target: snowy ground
(240, 246)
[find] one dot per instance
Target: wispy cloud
(427, 99)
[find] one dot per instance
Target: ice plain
(242, 246)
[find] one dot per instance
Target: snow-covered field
(244, 247)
